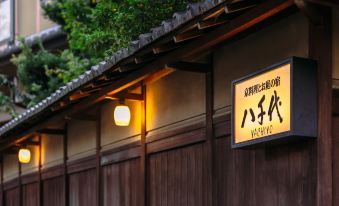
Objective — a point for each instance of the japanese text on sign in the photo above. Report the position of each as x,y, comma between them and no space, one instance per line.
262,105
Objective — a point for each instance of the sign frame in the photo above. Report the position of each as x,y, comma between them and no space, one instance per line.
303,118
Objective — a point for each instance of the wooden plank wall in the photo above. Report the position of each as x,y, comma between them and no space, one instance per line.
263,177
176,177
121,183
335,160
30,193
12,197
177,174
82,187
53,191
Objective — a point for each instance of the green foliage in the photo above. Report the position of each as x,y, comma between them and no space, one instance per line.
94,32
6,105
97,31
43,72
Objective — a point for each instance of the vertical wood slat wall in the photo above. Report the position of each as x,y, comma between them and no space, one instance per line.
203,171
177,175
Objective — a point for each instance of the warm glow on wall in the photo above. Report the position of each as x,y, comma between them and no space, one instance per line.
122,115
24,155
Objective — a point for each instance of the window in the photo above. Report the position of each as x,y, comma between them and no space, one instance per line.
6,21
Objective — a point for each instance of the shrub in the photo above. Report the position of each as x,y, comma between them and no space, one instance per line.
93,33
42,72
97,31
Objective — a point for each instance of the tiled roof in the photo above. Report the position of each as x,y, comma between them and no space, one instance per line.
179,18
45,35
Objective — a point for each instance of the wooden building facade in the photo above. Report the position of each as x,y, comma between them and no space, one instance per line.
177,149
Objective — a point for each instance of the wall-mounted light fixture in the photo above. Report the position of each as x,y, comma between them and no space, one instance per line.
24,155
122,114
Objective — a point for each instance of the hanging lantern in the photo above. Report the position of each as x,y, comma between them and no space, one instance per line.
122,115
24,155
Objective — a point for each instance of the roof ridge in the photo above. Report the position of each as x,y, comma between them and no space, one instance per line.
178,18
32,39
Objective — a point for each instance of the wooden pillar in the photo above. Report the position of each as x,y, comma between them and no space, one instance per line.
2,182
98,159
65,176
320,49
210,143
143,151
41,201
20,184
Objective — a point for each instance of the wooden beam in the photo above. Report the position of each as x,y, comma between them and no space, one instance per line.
212,22
195,47
143,152
82,117
165,47
329,3
335,106
40,182
31,143
158,75
210,140
65,175
145,58
126,95
3,203
240,6
99,189
78,95
187,35
311,11
215,14
238,25
51,131
320,49
128,67
20,183
189,66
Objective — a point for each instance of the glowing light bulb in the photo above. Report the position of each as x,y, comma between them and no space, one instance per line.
24,155
122,115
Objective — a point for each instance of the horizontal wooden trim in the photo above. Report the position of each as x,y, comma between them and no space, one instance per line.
175,132
222,126
124,155
222,118
120,148
81,164
52,172
177,141
29,178
11,184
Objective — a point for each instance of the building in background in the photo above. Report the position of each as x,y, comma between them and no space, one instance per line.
23,19
176,150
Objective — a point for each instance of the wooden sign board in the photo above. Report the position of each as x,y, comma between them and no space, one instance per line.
275,104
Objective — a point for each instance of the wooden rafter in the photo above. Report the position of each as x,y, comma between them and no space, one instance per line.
190,66
51,131
330,3
187,35
145,58
192,48
125,95
212,22
83,117
158,75
240,6
311,11
165,47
